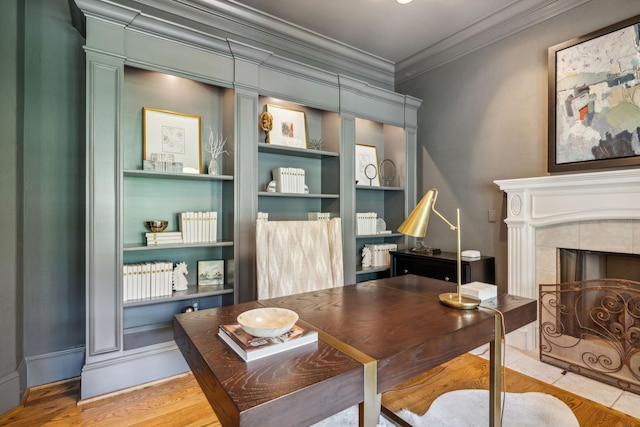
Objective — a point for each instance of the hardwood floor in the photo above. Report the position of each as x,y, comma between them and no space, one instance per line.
180,402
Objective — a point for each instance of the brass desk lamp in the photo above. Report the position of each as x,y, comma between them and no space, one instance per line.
416,225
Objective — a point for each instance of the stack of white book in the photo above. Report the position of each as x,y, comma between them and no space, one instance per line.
199,227
366,223
164,238
380,253
289,180
319,216
147,280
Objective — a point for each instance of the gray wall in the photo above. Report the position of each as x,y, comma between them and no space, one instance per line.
42,210
484,117
10,76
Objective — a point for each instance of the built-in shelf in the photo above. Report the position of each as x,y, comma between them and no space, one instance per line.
169,175
381,188
298,152
301,195
191,292
130,247
378,236
365,270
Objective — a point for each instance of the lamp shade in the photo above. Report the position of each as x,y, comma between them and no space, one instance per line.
416,223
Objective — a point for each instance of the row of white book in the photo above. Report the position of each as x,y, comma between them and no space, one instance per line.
199,227
147,280
380,253
289,180
366,223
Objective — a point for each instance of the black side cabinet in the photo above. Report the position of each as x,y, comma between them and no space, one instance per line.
443,266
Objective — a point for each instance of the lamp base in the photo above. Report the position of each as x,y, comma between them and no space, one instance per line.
461,302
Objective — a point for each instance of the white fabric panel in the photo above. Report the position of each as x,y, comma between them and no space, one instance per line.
298,256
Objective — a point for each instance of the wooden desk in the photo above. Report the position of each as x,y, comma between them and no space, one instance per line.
397,322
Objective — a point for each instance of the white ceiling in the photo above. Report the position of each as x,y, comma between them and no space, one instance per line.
383,27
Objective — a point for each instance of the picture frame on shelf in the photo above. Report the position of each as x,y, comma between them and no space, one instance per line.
367,165
211,272
593,119
172,135
288,127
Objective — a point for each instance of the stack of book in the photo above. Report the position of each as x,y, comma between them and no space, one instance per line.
251,348
380,253
147,280
319,216
289,180
366,223
199,227
164,238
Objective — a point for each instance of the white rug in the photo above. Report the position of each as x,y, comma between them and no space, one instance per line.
463,408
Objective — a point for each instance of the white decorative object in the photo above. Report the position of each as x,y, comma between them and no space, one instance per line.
215,147
180,277
268,321
366,257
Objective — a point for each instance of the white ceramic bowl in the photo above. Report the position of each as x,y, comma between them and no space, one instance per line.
267,322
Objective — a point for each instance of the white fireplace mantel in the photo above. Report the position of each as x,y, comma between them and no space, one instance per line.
547,200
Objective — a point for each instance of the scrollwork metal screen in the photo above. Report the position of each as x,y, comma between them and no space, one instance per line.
592,328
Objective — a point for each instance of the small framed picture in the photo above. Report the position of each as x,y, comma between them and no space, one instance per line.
211,272
367,165
288,127
172,137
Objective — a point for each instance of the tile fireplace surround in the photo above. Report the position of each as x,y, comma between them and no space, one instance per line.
595,211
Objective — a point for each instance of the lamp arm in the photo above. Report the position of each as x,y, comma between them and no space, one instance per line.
451,226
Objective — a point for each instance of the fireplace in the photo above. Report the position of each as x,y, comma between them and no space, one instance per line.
598,211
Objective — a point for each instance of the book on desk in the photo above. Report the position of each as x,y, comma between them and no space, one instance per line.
251,348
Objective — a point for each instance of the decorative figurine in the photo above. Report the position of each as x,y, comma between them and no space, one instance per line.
366,257
215,148
266,124
180,277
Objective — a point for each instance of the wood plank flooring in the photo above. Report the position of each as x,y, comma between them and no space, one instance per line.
180,402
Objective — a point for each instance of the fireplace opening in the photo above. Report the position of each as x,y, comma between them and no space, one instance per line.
577,264
590,320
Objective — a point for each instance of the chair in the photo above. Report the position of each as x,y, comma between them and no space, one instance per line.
298,256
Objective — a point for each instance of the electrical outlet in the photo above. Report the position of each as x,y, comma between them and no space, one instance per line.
492,215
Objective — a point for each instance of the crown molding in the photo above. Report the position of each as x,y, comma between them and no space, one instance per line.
505,22
230,20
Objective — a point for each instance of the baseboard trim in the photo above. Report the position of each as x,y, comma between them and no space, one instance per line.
130,371
9,392
52,367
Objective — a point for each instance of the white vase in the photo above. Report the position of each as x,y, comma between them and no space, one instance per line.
213,167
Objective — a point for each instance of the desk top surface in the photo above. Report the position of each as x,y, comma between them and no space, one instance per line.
398,321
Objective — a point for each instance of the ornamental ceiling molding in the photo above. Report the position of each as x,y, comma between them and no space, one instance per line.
504,23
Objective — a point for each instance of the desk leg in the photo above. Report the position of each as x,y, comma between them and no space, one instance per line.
369,410
495,376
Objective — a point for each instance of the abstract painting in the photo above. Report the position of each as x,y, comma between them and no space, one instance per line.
594,100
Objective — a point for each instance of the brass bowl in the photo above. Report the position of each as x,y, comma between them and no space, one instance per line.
156,226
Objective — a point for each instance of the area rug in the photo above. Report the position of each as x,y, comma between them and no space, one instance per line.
462,408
